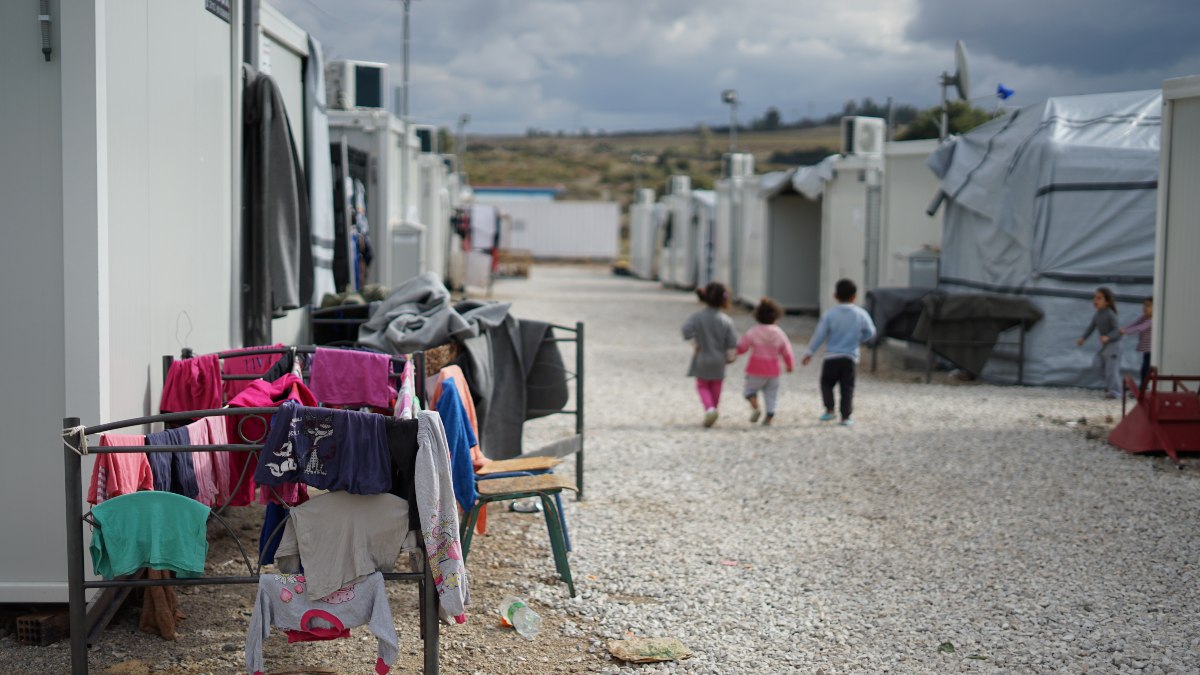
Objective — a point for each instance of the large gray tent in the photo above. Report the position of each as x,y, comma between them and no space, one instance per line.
1049,202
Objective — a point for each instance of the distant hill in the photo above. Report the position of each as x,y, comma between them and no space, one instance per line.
612,166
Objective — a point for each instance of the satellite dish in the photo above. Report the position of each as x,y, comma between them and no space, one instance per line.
959,80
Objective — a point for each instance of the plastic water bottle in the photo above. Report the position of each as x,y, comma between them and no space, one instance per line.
514,612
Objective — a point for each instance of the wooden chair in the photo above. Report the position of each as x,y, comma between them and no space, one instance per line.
547,487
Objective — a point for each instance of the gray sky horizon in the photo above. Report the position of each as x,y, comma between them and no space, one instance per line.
620,65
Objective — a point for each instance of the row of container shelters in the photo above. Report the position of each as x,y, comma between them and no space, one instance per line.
140,184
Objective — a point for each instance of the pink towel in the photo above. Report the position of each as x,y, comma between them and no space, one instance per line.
119,474
348,377
192,384
208,431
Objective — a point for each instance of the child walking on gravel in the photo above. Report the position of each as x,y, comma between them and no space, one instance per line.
768,345
845,327
713,339
1108,359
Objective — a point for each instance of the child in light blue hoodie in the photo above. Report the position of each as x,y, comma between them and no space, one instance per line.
845,327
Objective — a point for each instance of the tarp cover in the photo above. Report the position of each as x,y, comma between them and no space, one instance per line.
965,326
1049,202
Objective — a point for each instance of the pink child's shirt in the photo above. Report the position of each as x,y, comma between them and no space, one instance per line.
767,344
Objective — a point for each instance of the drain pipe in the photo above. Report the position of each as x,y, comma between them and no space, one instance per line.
44,20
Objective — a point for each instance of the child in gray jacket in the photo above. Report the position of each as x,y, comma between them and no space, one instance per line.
1108,359
714,341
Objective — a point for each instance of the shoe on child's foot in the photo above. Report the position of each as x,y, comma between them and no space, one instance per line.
767,419
710,417
847,422
826,417
755,415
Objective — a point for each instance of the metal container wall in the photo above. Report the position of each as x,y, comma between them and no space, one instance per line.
1177,241
564,229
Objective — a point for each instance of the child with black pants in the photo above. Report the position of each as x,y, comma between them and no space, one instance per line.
844,327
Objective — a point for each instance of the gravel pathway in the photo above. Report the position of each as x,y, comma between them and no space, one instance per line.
955,528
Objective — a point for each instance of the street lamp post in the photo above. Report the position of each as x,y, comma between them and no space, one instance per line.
730,97
460,149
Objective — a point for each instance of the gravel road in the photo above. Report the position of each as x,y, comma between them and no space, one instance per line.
955,528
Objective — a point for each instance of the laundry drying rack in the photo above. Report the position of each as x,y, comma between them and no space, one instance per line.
75,447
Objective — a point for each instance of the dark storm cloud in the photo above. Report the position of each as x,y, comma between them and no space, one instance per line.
1093,37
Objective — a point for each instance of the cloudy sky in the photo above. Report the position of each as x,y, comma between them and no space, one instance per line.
639,64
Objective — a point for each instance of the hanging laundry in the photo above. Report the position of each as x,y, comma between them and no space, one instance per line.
192,384
284,601
340,536
351,377
208,431
116,474
173,471
277,266
160,607
160,530
460,438
439,516
213,431
274,517
406,398
251,364
455,374
251,429
326,449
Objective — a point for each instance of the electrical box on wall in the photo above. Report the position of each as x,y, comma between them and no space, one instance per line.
355,84
862,136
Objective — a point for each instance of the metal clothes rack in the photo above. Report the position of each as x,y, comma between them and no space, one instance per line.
74,441
574,444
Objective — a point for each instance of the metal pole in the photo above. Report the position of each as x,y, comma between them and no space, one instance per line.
945,129
404,93
579,408
732,128
75,594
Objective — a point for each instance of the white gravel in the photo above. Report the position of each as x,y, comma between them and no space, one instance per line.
955,528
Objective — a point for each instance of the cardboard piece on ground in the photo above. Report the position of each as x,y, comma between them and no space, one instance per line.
649,650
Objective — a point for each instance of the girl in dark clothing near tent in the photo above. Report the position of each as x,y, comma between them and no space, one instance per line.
1108,359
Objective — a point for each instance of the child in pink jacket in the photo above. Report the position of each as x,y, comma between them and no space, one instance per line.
768,345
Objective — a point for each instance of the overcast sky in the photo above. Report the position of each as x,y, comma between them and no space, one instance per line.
642,64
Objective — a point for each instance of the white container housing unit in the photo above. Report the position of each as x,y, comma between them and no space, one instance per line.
122,208
681,234
577,230
1176,268
398,236
908,188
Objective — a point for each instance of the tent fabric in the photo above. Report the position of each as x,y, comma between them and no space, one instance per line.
1048,203
808,181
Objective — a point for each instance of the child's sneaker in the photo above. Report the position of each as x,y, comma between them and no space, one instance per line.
826,417
767,419
847,423
755,415
710,417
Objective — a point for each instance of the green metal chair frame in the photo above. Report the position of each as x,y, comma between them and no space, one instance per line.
543,486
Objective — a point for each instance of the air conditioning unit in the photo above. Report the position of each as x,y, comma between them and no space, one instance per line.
680,185
738,164
355,84
427,135
862,136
